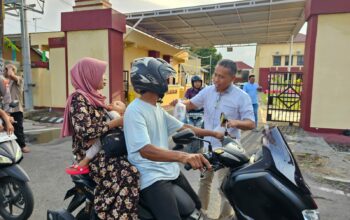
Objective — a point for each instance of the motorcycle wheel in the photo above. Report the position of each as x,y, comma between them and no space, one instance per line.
19,202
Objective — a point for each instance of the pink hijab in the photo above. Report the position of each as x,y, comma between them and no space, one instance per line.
86,74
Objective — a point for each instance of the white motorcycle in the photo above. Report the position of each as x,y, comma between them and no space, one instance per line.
16,197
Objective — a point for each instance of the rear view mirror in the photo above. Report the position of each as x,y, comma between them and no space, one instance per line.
184,137
223,118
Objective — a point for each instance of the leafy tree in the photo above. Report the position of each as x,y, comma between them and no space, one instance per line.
206,52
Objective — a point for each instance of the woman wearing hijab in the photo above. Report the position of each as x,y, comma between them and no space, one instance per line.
117,190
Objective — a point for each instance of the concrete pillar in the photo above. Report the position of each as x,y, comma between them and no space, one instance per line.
325,106
95,30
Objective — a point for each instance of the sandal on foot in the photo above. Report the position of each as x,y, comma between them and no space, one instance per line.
75,169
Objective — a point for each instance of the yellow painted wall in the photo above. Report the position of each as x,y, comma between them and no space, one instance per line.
330,107
58,77
88,44
146,42
42,39
132,52
265,52
137,45
174,92
42,90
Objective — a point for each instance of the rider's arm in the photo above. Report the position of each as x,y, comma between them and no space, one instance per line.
8,124
154,153
203,132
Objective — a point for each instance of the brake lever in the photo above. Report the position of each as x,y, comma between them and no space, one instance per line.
204,170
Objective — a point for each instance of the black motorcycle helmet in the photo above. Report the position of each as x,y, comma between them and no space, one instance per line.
196,78
150,74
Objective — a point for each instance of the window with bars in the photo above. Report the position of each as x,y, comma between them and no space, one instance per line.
300,60
277,60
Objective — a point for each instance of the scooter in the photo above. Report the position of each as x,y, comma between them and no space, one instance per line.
16,197
266,186
194,118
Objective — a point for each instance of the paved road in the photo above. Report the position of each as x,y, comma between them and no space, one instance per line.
45,165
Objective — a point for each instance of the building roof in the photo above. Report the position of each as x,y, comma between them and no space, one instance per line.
300,38
238,22
242,65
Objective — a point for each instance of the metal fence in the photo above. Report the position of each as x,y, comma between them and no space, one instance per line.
284,96
126,84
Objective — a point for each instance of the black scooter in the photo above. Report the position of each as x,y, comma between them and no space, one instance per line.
266,186
16,197
194,118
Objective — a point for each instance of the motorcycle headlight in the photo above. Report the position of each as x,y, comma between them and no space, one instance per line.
18,154
5,160
311,214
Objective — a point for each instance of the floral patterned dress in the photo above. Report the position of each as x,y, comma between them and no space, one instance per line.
117,190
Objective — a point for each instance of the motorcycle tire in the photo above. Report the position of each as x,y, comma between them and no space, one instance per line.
20,196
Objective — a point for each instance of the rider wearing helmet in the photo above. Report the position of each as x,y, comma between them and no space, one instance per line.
197,83
147,127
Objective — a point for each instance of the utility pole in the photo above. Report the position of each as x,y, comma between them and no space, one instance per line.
27,71
35,20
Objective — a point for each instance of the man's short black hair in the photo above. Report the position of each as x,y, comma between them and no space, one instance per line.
250,76
229,64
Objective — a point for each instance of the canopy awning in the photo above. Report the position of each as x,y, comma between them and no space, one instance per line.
240,22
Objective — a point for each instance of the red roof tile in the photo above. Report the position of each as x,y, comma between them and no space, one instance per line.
242,66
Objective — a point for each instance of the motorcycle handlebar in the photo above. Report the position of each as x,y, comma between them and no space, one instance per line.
211,158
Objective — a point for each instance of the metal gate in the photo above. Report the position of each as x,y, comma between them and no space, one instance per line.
126,85
284,96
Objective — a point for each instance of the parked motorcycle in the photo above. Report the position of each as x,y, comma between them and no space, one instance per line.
194,118
16,197
266,186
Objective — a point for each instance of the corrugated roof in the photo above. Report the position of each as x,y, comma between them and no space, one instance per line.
247,21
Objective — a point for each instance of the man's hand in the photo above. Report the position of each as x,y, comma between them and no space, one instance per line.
11,72
12,120
241,124
232,123
174,102
9,128
197,161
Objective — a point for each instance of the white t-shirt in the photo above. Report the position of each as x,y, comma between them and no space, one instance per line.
148,124
234,103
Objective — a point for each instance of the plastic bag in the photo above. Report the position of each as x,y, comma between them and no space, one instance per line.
180,111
